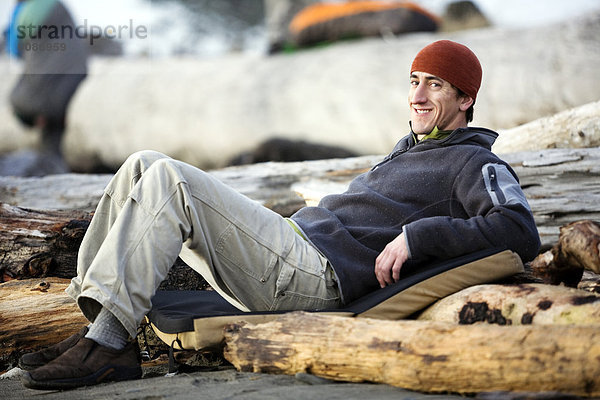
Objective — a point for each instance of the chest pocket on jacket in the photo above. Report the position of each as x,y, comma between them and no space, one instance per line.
502,187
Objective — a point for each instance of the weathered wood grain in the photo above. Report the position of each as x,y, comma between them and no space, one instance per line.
577,251
54,192
562,186
269,183
422,355
39,243
45,243
524,304
573,128
35,313
579,245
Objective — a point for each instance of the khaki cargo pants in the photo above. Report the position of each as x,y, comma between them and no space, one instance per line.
156,208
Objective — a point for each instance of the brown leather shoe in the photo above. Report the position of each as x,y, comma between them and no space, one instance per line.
85,364
35,360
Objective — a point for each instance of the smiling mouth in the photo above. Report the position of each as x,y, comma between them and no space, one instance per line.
419,111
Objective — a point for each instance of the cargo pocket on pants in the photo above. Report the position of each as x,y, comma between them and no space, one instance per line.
297,290
240,251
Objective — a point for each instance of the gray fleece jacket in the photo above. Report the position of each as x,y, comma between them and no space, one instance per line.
451,197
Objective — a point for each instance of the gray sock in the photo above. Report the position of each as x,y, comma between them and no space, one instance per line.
107,331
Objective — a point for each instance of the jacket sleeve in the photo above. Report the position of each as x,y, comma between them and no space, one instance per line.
489,193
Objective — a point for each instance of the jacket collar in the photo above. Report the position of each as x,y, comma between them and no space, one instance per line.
471,135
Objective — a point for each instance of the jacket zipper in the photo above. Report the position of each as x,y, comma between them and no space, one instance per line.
495,186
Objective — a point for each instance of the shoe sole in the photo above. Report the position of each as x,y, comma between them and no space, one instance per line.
105,374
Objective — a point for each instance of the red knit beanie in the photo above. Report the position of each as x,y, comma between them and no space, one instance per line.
452,62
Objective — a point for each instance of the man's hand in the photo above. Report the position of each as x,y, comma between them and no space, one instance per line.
390,260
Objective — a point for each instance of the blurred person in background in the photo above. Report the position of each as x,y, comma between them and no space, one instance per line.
44,36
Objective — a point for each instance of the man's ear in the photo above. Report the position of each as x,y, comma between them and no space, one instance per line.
465,102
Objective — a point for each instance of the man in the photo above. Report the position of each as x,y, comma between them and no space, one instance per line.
441,193
43,34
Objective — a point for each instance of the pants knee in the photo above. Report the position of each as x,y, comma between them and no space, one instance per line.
138,162
130,172
145,157
158,169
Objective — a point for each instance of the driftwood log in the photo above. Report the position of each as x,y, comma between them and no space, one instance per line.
561,185
35,313
578,249
39,243
579,245
422,355
45,243
524,304
573,128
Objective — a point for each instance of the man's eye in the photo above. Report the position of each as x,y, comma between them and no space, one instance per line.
414,83
435,84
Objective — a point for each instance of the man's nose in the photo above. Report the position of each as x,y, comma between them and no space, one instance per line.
419,94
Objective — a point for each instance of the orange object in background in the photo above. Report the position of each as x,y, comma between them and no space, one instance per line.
322,12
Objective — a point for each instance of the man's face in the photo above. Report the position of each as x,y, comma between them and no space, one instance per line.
434,102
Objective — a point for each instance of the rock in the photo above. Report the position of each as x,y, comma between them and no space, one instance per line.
105,46
280,149
462,15
13,373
